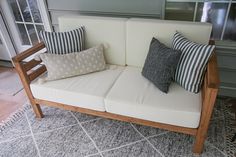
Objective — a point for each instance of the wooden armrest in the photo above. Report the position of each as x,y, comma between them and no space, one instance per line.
29,70
212,77
212,74
28,52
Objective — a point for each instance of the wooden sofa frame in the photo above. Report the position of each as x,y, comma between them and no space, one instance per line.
209,93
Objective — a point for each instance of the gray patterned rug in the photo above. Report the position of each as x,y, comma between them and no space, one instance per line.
68,134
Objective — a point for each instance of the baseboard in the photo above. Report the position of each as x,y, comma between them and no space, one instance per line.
6,63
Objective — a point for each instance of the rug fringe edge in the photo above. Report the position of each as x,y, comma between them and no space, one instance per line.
14,116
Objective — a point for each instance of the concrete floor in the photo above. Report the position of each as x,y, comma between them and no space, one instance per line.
10,101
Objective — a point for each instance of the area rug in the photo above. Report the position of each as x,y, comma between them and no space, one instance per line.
10,82
64,133
14,117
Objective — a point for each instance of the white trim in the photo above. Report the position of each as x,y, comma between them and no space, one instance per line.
30,23
225,20
6,40
195,12
163,10
45,15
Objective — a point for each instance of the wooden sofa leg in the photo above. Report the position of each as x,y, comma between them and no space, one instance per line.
199,144
37,110
207,109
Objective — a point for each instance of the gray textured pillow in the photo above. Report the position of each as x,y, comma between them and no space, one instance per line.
73,64
160,65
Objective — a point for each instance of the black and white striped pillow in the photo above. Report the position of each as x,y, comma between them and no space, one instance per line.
192,64
64,42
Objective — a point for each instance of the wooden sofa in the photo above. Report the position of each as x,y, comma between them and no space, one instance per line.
29,71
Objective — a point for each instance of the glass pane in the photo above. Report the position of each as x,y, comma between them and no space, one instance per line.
180,11
35,11
230,30
214,13
24,36
15,10
39,28
25,10
32,34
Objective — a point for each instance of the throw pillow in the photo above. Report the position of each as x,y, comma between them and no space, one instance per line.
193,60
73,64
160,65
63,42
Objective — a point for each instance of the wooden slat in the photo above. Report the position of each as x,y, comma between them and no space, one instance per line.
209,93
207,109
26,83
211,42
213,80
185,130
212,75
37,72
28,52
31,64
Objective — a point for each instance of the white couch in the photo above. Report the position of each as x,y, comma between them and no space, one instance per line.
121,89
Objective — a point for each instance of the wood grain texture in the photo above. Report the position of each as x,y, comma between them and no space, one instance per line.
27,78
26,84
209,94
28,52
31,64
212,73
34,74
207,109
185,130
213,80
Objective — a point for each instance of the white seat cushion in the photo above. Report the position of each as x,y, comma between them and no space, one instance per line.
134,96
86,91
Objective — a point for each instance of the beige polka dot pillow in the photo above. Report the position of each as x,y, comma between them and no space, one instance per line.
73,64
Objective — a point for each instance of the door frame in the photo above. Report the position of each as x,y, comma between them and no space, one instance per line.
45,15
6,39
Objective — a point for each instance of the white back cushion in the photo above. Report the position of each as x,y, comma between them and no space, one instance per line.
100,30
140,32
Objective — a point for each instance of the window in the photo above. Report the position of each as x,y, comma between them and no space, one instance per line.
230,29
221,13
28,20
180,11
214,13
